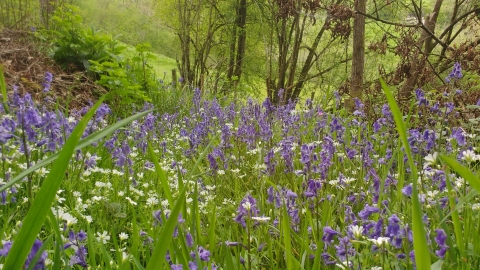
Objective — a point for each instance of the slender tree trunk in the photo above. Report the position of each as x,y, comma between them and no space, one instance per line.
185,39
294,58
242,36
358,60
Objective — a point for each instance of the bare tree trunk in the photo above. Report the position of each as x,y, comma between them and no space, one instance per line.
294,58
358,60
242,36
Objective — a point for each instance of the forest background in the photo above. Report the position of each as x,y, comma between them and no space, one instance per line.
307,48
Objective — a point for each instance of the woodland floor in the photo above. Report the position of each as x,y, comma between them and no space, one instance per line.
25,65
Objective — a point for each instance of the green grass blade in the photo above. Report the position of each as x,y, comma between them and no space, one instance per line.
58,244
463,171
91,246
422,253
3,91
137,263
212,225
163,241
195,220
469,197
227,254
83,143
287,241
135,236
106,257
161,175
457,224
35,218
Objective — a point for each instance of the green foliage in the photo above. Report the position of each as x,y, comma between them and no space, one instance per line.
115,77
3,90
75,45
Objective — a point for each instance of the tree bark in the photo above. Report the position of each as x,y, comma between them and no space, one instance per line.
242,36
358,60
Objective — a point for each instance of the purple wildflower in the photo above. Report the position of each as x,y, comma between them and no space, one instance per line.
459,135
47,82
328,234
407,190
440,237
367,211
247,209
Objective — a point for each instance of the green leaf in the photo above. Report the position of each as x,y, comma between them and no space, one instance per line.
3,90
286,238
457,224
91,246
58,244
163,241
161,175
35,218
437,265
463,171
82,144
422,253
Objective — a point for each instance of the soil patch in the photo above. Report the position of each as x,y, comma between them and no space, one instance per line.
25,65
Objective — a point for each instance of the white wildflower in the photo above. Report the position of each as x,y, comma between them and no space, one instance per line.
42,171
469,156
432,193
123,236
103,237
88,219
380,241
247,205
126,257
261,219
130,201
476,206
357,231
430,159
69,219
152,201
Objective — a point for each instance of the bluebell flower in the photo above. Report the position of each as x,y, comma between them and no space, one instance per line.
459,135
407,190
33,252
441,237
367,211
328,234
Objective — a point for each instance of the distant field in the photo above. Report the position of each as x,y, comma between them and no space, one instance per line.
162,64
